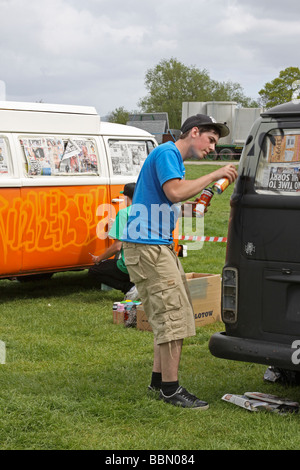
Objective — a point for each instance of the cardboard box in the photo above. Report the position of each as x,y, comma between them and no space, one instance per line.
141,319
118,317
205,290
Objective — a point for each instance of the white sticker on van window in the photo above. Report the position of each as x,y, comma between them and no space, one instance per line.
249,248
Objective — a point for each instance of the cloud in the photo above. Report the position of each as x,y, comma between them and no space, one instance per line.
97,52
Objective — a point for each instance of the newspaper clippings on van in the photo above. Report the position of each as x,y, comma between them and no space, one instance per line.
3,158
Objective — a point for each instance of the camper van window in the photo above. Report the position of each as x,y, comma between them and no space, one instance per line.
150,146
278,170
4,158
127,157
55,156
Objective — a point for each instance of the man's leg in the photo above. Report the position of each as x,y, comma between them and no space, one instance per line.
159,277
166,364
155,384
169,358
156,360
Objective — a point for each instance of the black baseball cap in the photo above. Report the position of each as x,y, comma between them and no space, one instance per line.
128,190
200,120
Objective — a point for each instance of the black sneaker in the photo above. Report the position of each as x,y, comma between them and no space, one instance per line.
184,399
153,389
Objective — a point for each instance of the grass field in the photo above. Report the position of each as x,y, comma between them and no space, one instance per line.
74,380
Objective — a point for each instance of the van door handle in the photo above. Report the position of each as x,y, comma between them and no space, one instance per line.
115,200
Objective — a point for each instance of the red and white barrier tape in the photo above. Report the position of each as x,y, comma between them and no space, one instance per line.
203,239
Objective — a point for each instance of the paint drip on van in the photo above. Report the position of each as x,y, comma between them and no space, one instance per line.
221,185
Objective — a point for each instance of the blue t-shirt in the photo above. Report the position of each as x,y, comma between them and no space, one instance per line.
153,216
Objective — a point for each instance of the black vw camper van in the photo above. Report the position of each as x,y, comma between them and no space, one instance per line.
261,276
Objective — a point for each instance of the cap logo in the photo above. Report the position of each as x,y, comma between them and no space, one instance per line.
213,119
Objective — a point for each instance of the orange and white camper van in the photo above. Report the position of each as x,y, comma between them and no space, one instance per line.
61,172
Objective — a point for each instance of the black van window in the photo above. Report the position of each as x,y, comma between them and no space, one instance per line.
278,170
127,156
4,158
55,156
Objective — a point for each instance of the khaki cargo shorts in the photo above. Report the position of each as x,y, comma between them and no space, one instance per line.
160,280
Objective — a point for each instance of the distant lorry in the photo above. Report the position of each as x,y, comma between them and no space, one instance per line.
239,121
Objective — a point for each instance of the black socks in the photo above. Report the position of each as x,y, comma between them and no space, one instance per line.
168,388
156,380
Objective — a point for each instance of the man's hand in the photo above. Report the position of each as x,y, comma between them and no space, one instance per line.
178,190
95,259
228,171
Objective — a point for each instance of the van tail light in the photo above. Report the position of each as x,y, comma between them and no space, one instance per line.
229,295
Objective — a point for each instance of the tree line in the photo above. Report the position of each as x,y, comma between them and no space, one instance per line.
171,82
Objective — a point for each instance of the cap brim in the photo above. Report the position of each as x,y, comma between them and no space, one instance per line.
222,128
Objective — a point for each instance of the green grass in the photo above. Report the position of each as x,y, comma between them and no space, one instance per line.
74,380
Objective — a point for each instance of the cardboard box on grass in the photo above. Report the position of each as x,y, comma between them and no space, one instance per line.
205,291
118,317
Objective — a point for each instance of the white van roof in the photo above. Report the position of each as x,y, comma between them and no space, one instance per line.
48,118
59,119
47,107
109,128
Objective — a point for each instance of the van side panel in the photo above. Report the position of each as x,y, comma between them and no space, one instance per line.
60,226
10,231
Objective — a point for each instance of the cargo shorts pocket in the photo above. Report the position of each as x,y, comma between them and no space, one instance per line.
134,268
165,300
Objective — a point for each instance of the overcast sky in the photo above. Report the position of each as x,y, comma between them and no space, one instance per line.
97,52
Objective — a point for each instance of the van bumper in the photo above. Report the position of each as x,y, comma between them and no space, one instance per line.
251,350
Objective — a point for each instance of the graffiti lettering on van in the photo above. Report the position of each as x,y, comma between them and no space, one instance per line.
50,219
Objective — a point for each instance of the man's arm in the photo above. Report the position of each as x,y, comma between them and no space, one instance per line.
178,190
111,251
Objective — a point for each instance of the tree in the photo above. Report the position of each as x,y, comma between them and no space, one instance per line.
119,115
282,89
170,83
231,91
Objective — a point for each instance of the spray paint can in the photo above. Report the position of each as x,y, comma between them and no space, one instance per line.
202,202
221,185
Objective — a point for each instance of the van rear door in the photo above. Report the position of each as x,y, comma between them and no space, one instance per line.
271,227
261,276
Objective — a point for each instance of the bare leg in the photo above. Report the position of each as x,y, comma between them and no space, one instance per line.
156,360
166,360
